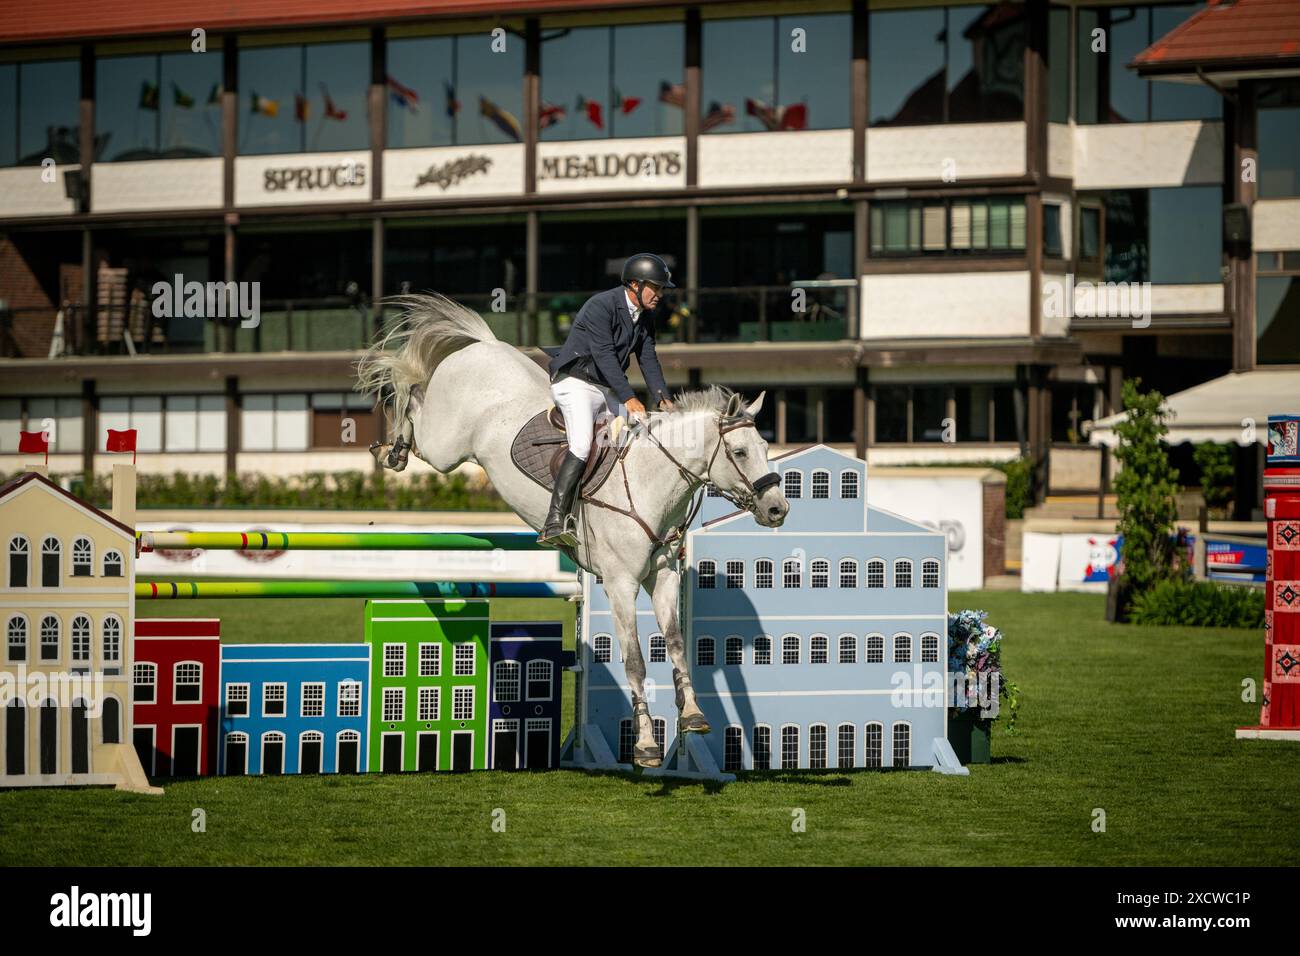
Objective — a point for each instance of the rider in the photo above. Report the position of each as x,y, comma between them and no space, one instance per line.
589,374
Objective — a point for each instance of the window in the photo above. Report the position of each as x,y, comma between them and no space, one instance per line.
1164,235
462,703
112,564
819,649
1277,319
902,648
505,681
274,698
817,747
929,573
793,484
602,648
762,649
626,740
875,574
658,649
349,698
790,649
763,573
275,423
110,721
144,679
847,749
39,112
51,636
427,703
394,660
929,648
430,660
80,640
789,748
947,65
706,575
902,573
1058,64
791,573
394,705
704,652
821,484
463,661
1278,132
731,747
304,98
659,727
343,420
64,413
619,81
986,225
875,649
454,90
755,81
16,639
872,738
313,700
51,572
849,484
848,573
762,748
902,756
848,649
1052,244
539,680
82,558
157,106
144,413
19,558
236,700
735,574
735,651
198,423
820,573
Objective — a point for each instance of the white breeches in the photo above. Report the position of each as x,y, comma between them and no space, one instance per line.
582,403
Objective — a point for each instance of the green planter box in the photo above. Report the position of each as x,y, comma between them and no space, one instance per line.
969,735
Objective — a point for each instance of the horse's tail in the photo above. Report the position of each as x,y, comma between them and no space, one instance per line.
430,328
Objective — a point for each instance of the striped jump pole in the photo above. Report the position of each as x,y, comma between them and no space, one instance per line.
190,590
338,540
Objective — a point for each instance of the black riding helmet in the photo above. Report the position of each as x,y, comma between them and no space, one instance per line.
647,267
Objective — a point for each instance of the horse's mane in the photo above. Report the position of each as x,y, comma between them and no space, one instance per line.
715,399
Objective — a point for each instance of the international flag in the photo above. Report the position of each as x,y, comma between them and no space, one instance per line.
265,105
550,114
718,115
332,110
674,94
502,119
625,103
453,104
592,109
121,441
148,96
301,108
214,95
794,116
403,96
34,442
181,98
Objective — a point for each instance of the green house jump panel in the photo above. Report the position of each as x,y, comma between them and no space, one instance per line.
429,684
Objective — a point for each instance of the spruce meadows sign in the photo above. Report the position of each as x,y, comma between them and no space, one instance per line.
633,164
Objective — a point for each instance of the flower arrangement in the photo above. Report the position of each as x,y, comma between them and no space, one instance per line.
975,667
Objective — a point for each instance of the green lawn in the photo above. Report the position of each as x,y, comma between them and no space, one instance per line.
1135,721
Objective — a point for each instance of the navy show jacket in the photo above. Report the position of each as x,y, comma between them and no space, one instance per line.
602,341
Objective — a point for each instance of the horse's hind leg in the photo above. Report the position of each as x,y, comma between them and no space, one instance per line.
622,599
664,593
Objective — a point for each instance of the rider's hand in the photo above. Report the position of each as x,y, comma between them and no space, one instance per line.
666,405
634,408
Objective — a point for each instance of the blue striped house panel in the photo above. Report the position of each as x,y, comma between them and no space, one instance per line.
527,659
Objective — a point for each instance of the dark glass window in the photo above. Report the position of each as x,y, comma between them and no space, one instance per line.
1052,230
1004,413
758,75
929,409
1058,64
40,108
891,413
1278,121
1277,320
1088,74
158,106
947,64
1072,405
1126,235
463,258
1186,234
973,412
838,414
600,82
800,416
8,114
947,227
1128,35
1089,233
308,98
1179,101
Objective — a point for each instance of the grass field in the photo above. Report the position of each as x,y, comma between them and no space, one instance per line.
1136,722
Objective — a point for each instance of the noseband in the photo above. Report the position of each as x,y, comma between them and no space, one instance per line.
743,499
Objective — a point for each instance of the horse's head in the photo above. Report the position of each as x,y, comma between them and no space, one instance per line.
738,467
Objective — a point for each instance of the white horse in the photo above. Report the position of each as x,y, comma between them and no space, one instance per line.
458,394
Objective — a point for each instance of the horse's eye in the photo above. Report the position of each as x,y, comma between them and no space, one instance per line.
740,454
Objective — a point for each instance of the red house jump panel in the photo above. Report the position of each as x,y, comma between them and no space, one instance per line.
176,695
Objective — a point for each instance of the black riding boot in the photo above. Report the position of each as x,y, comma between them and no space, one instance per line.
566,485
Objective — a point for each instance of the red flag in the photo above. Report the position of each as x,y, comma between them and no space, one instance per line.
795,116
331,110
592,109
34,441
301,108
120,441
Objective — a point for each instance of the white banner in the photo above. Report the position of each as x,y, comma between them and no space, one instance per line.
157,184
776,158
453,171
625,165
300,178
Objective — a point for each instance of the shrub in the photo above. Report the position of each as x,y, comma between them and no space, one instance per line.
1145,490
1019,474
1215,462
1199,604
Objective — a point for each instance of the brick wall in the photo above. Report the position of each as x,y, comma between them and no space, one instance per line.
28,334
995,529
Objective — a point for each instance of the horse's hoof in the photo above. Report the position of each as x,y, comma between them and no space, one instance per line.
695,724
648,756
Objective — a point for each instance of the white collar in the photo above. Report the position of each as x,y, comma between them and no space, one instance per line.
633,309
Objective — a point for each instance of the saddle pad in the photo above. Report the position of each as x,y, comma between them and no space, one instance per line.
539,446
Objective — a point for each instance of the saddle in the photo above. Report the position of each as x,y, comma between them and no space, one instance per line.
539,447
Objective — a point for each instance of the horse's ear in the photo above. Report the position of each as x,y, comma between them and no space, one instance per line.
755,405
415,401
733,405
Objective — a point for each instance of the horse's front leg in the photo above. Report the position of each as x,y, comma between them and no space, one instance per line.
664,593
622,599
